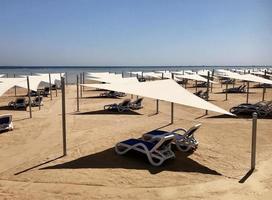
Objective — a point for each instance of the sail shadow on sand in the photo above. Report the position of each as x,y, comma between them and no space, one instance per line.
107,112
133,160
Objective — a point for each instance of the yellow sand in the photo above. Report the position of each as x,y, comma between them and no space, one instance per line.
31,166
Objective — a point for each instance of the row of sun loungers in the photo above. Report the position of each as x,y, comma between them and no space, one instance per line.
21,102
240,89
126,105
112,94
201,85
157,145
201,94
262,108
6,123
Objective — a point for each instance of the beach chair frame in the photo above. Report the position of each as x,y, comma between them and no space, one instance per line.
157,155
137,104
121,107
184,142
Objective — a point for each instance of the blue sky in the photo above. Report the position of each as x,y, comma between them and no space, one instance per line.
135,32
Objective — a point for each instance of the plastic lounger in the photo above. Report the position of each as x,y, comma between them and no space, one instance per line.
156,151
6,122
137,104
184,142
123,106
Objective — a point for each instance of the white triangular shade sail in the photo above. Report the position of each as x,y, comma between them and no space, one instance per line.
166,90
111,78
253,78
7,83
204,72
34,81
54,77
260,73
195,77
115,80
245,77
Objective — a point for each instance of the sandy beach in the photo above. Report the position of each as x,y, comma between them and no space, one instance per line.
32,165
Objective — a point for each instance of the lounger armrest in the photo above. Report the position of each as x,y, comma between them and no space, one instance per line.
179,129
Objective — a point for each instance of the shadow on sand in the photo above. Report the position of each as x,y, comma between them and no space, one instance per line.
133,160
234,92
107,112
238,117
100,97
11,108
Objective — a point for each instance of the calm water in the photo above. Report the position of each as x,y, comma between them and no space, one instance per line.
73,71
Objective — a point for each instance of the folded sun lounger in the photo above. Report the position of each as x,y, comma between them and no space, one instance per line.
157,151
185,142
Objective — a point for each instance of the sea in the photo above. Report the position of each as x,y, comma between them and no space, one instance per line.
73,71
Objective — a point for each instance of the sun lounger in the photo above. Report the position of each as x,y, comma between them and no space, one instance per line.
262,108
228,81
201,94
112,94
37,101
6,122
141,79
45,91
201,85
240,89
18,103
33,93
137,104
157,151
262,85
184,142
123,106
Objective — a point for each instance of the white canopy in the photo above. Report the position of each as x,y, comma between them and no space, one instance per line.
194,77
204,72
107,77
245,77
260,73
34,81
54,77
253,78
7,83
166,90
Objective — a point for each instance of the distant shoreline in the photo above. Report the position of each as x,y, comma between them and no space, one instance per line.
120,67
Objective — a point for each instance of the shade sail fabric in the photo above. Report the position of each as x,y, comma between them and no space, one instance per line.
245,77
204,72
195,77
7,83
260,73
253,78
54,77
34,81
114,79
103,74
166,90
153,75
